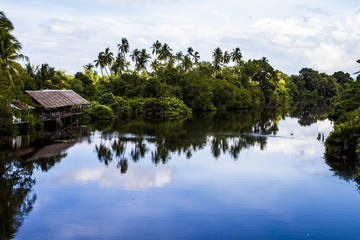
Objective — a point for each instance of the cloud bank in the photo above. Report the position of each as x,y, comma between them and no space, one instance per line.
323,35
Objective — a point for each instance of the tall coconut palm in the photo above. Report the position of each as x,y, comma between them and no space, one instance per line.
108,59
196,57
165,52
187,63
88,67
226,57
30,69
156,48
236,56
119,64
218,58
155,65
179,56
190,51
9,53
124,47
100,62
143,59
45,72
171,61
135,55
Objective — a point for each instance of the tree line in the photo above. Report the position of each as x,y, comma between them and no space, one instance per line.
161,83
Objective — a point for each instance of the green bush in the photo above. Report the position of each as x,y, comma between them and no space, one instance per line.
100,112
121,108
242,99
107,99
164,108
344,140
198,94
136,105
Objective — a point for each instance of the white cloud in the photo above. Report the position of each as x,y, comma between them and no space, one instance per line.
323,45
327,57
65,27
221,14
291,35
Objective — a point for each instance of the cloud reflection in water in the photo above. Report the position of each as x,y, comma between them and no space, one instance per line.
136,178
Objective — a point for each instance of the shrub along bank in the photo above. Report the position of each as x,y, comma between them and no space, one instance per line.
110,106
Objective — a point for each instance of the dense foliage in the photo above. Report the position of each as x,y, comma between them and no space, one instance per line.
344,141
175,85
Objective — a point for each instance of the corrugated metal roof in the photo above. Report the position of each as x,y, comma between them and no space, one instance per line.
57,98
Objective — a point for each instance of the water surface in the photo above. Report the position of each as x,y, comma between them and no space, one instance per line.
247,175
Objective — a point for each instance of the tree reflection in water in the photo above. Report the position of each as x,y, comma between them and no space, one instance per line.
16,189
309,111
119,147
16,195
225,133
16,180
104,153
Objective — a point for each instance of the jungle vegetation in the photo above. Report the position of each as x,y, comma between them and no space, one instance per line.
343,144
157,82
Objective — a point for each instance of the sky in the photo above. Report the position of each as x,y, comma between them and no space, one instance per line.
68,34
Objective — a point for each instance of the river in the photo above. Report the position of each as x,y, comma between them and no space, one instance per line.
258,174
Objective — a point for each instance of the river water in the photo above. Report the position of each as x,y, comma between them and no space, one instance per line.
257,174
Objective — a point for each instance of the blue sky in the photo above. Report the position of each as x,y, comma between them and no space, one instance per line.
67,34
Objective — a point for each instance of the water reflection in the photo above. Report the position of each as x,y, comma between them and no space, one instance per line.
225,133
16,195
17,167
16,189
137,178
122,146
308,111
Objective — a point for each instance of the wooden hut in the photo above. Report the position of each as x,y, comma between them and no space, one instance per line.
57,104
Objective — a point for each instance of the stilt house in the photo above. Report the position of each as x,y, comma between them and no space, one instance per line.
57,104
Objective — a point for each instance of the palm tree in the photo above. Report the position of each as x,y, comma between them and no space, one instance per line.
45,72
88,67
9,48
226,57
99,62
358,61
135,55
218,58
165,52
5,23
30,69
119,64
156,48
190,51
155,65
143,59
196,57
108,59
124,47
236,56
179,56
187,63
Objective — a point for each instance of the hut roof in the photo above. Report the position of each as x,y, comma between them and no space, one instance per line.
57,98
